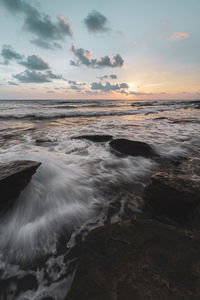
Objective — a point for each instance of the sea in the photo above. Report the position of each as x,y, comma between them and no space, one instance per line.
78,179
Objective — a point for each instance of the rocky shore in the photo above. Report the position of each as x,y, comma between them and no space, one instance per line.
154,254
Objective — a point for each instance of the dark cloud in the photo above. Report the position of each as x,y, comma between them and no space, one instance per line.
112,76
40,24
96,22
108,86
8,54
35,62
36,77
124,86
84,57
51,75
103,77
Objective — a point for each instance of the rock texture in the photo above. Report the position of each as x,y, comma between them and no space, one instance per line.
144,260
171,194
11,288
133,148
14,176
95,138
43,140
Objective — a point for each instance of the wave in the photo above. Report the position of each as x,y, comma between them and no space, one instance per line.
76,114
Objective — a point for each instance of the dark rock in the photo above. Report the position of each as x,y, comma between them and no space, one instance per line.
174,195
12,287
144,260
95,138
133,148
43,140
14,176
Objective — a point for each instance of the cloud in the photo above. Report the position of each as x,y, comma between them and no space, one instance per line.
84,57
45,44
40,24
96,22
77,86
35,62
36,77
103,77
112,76
76,83
176,36
108,87
12,83
135,93
51,75
8,53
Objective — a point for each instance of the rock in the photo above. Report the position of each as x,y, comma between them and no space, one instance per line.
161,118
174,195
12,287
43,140
133,148
144,260
14,176
95,138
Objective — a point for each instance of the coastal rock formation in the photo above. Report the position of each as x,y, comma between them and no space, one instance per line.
12,287
171,194
144,260
14,176
95,138
133,148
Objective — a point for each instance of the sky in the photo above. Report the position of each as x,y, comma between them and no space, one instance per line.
91,49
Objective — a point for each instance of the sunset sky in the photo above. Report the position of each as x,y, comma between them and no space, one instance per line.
108,49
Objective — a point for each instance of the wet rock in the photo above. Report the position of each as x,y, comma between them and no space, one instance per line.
42,140
14,176
133,148
12,287
172,194
144,260
95,138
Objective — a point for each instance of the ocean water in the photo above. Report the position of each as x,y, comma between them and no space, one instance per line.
77,181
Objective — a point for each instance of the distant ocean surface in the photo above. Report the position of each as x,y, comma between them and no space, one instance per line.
77,179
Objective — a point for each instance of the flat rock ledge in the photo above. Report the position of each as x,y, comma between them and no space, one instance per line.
138,261
133,148
14,176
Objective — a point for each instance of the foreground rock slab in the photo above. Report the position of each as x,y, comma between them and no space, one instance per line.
144,260
95,138
133,148
14,176
171,194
